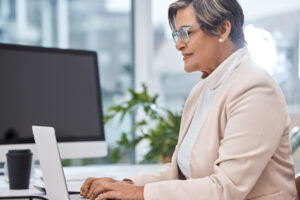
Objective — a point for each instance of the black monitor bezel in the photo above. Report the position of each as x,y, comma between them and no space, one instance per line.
101,137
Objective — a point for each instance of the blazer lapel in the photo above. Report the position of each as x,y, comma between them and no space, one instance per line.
219,76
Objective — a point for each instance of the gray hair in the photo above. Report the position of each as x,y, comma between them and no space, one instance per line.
210,14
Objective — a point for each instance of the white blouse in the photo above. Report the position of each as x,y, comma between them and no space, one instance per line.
204,103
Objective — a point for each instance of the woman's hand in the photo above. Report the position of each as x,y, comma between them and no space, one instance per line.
111,189
123,191
90,184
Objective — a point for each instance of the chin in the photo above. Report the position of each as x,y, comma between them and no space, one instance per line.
189,69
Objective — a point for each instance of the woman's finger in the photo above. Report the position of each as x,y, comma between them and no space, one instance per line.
86,185
108,195
98,191
98,186
93,186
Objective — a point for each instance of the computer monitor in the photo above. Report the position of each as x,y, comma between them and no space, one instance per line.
51,87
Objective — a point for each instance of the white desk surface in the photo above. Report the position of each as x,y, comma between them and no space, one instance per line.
76,175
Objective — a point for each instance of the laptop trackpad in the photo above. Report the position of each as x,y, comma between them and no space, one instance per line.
76,197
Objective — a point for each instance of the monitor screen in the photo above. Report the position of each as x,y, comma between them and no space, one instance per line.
49,87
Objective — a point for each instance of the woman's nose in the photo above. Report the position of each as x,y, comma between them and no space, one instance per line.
179,44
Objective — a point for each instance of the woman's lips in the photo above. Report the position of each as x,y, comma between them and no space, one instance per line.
186,56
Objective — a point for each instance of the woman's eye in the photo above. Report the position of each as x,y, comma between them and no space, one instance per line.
189,32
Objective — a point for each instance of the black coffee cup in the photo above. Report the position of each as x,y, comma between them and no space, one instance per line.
19,167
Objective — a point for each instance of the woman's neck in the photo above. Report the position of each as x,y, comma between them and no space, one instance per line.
227,48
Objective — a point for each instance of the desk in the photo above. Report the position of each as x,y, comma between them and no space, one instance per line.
79,174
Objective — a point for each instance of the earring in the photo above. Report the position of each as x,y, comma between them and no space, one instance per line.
220,40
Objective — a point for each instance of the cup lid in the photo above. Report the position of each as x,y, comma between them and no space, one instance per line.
18,151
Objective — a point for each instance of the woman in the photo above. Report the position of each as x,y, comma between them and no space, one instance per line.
234,138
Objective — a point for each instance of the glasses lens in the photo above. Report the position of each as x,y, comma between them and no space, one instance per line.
175,36
184,34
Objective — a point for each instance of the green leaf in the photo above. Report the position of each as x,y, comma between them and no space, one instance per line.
115,155
160,126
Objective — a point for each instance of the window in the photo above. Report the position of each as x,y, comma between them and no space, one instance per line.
104,26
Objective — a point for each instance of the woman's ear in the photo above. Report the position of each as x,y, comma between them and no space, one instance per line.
224,30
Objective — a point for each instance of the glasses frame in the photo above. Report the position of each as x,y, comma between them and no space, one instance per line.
183,33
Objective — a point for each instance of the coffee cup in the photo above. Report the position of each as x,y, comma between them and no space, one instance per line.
19,168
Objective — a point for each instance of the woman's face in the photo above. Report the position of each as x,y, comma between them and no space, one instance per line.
202,50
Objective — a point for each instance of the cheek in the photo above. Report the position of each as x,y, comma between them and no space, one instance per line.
204,54
200,57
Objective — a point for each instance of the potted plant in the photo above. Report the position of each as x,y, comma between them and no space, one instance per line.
160,126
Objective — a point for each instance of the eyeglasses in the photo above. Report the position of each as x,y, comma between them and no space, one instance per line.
183,33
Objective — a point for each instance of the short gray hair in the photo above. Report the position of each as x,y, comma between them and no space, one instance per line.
210,14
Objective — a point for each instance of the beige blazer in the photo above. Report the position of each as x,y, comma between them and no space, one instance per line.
242,150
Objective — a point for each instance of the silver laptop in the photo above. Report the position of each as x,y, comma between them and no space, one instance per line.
50,162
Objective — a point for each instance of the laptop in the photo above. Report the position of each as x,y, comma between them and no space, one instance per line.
53,174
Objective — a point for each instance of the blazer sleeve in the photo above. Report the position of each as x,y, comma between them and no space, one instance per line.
169,172
256,122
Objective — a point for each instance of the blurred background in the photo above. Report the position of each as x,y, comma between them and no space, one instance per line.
134,46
